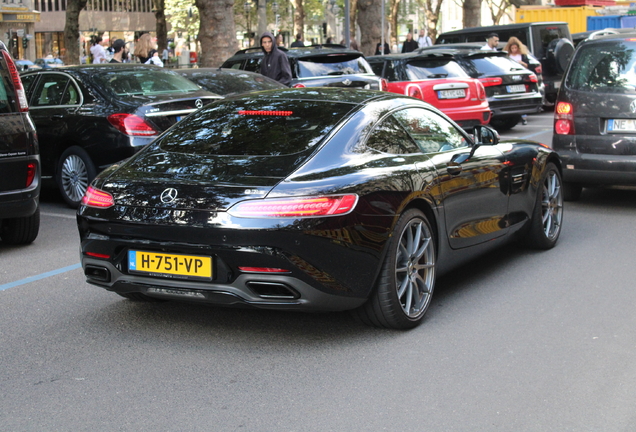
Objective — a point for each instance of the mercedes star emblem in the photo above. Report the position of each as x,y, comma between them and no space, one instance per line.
632,106
198,103
168,195
347,82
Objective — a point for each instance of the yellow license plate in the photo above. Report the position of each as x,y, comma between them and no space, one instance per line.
170,265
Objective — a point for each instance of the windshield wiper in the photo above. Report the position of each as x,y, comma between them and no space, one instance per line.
439,75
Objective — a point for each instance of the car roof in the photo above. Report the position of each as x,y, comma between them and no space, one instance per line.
460,51
92,68
617,37
325,94
215,70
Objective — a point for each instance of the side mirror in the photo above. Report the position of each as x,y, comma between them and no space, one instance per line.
485,136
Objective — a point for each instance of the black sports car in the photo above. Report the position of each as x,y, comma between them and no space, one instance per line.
91,116
314,199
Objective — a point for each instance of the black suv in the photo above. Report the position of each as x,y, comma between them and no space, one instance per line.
329,65
595,115
550,42
511,89
19,159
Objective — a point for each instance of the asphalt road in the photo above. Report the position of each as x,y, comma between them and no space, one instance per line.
516,341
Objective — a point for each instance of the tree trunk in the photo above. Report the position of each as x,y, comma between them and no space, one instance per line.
71,31
162,25
432,16
353,18
261,14
217,33
393,19
472,13
299,16
370,21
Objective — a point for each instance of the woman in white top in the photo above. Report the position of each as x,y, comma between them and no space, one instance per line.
517,51
98,51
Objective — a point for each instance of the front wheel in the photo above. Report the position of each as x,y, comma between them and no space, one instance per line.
407,278
75,171
547,217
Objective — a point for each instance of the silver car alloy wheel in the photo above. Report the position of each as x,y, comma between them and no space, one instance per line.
552,205
74,176
415,268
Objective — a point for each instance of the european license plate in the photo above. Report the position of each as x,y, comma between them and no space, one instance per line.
616,125
170,265
451,94
517,88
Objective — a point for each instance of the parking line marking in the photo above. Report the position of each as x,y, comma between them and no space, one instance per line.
59,215
40,276
532,135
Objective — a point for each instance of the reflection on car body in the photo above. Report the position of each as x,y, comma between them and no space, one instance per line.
314,199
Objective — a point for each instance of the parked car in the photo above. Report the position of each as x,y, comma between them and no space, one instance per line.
550,42
23,65
49,62
91,116
511,89
314,199
595,115
316,66
227,82
438,80
19,159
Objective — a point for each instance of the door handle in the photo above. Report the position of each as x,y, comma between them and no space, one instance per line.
57,117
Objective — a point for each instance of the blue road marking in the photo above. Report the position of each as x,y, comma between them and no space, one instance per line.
40,276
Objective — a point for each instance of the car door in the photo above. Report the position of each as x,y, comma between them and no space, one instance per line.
475,203
54,99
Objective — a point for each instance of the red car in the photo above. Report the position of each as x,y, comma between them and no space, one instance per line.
438,80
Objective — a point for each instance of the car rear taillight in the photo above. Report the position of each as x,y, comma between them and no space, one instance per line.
414,91
97,198
538,70
532,78
295,207
20,95
564,119
263,270
384,84
481,91
298,86
131,124
30,174
489,82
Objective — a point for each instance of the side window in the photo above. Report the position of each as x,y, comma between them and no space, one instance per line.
390,137
431,132
50,90
378,68
27,83
71,95
391,72
236,65
6,90
253,65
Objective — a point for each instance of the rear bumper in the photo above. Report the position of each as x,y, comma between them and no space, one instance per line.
524,104
595,169
263,291
477,115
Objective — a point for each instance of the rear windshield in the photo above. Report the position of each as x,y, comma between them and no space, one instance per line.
438,68
144,82
332,64
608,67
492,65
251,128
226,83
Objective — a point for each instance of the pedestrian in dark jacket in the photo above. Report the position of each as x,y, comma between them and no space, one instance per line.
274,64
409,44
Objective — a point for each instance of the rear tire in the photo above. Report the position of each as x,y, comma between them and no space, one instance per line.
547,217
505,123
407,278
21,230
75,171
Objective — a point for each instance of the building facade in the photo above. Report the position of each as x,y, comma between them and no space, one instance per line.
17,27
